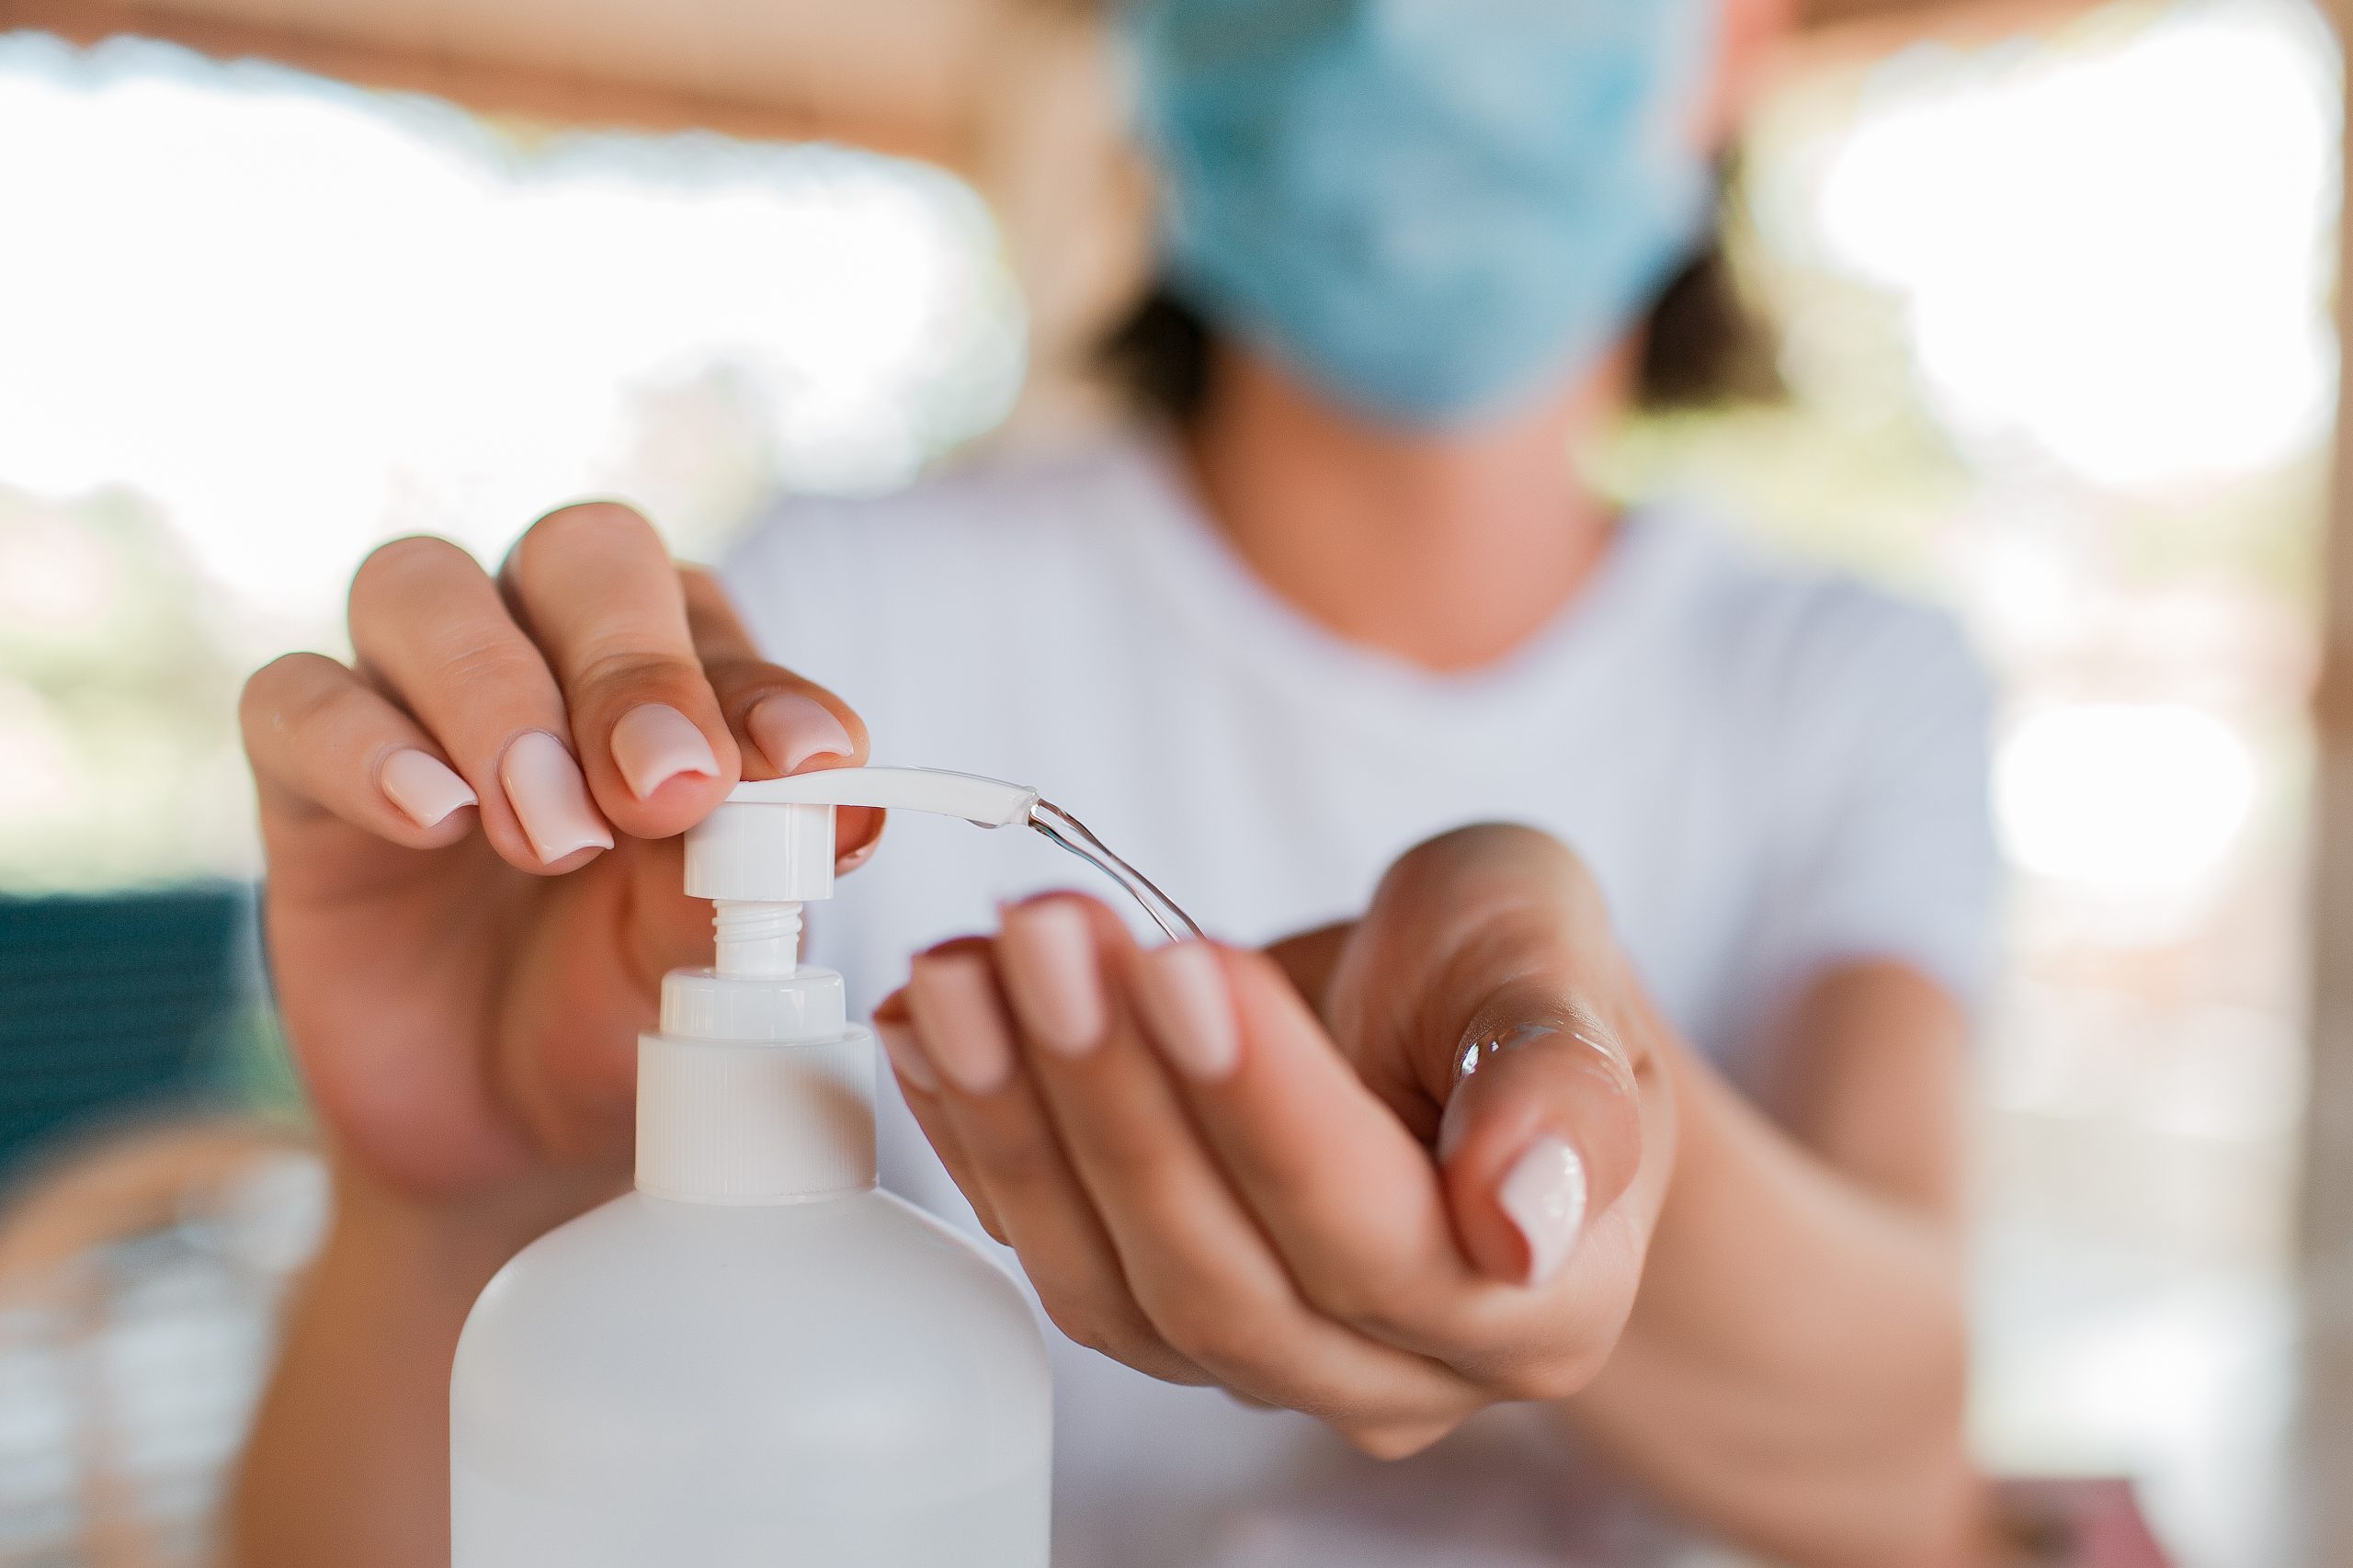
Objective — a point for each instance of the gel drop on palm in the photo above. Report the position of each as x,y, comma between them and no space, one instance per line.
756,1358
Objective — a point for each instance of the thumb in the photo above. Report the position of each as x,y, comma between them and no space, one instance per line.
1542,1131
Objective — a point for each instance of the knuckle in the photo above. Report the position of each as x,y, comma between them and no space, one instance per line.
613,675
294,692
283,692
485,672
1392,1439
1209,1334
743,680
1129,1165
403,561
1529,856
1545,1379
1078,1326
1376,1298
325,703
270,683
593,525
1023,1168
1098,1326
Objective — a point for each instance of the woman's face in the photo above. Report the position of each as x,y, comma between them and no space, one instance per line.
1435,212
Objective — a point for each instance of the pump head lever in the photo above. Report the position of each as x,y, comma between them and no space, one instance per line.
985,803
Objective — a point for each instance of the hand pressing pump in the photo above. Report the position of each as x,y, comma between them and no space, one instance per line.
757,1358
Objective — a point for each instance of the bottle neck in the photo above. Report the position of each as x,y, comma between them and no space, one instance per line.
755,1090
755,939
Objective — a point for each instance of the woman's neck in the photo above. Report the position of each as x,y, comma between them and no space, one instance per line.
1448,550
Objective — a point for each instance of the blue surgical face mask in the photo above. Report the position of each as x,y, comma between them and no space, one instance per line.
1431,210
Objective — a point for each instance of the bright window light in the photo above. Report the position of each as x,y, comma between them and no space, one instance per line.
256,323
2115,255
302,317
2123,799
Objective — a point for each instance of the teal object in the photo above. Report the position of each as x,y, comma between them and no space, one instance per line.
118,1004
1431,210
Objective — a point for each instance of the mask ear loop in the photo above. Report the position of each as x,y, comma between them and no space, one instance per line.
1066,832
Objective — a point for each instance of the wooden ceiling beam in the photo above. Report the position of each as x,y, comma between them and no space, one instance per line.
547,96
1853,30
904,81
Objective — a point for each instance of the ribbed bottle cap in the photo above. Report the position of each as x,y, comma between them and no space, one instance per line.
728,1121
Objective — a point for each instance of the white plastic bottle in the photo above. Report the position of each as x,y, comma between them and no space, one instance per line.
755,1357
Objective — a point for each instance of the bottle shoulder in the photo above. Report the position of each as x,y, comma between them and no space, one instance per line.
823,1337
865,1270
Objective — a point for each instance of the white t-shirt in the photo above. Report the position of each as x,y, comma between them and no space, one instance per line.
1769,770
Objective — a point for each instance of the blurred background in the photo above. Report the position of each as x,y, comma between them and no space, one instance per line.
2054,283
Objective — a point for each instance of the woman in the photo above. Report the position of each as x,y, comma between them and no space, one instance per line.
1517,1162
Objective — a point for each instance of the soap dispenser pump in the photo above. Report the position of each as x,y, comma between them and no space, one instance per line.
756,1358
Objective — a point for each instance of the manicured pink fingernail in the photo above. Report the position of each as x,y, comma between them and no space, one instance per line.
1186,999
422,786
793,731
1544,1195
1053,970
544,786
963,1020
905,1052
655,743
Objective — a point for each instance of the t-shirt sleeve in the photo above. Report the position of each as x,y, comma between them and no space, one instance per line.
1885,730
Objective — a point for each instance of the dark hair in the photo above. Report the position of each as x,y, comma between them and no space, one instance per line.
1705,347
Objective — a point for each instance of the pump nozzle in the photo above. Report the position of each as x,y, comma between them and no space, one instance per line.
773,841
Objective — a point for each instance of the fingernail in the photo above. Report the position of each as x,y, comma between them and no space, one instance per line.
905,1051
1052,970
1185,998
964,1021
1544,1195
422,786
793,731
653,743
543,784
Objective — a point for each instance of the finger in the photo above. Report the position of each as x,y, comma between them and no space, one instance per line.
430,628
919,1087
783,724
1541,1133
1201,1267
1350,1197
1017,1166
1361,1214
595,587
323,740
1483,993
